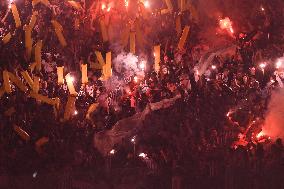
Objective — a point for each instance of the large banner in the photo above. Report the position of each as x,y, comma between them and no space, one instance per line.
105,140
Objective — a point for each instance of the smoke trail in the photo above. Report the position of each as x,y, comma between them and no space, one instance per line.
274,121
207,58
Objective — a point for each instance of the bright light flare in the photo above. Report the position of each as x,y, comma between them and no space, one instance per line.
103,6
75,112
146,4
213,67
133,140
126,2
262,65
135,79
34,174
229,113
262,9
70,79
143,155
278,64
9,3
112,152
108,9
197,72
226,24
259,135
142,65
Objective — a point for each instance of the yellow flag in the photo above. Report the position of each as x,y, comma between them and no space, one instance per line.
57,25
108,71
40,142
70,107
7,38
35,2
6,80
69,79
60,77
33,20
17,82
38,48
132,42
178,25
182,5
44,99
91,109
32,66
95,65
36,84
157,54
84,68
28,78
28,40
45,2
183,37
169,5
23,134
58,31
100,58
16,15
165,11
75,5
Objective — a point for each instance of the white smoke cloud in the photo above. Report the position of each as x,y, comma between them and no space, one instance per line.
128,65
125,67
274,121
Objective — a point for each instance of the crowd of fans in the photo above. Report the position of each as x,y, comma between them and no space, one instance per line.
193,144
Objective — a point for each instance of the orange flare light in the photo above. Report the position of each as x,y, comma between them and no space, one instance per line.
226,24
126,2
259,135
103,6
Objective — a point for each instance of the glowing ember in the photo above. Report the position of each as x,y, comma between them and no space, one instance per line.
143,155
262,9
133,139
226,24
262,65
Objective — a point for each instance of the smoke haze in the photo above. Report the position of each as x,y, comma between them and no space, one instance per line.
274,121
